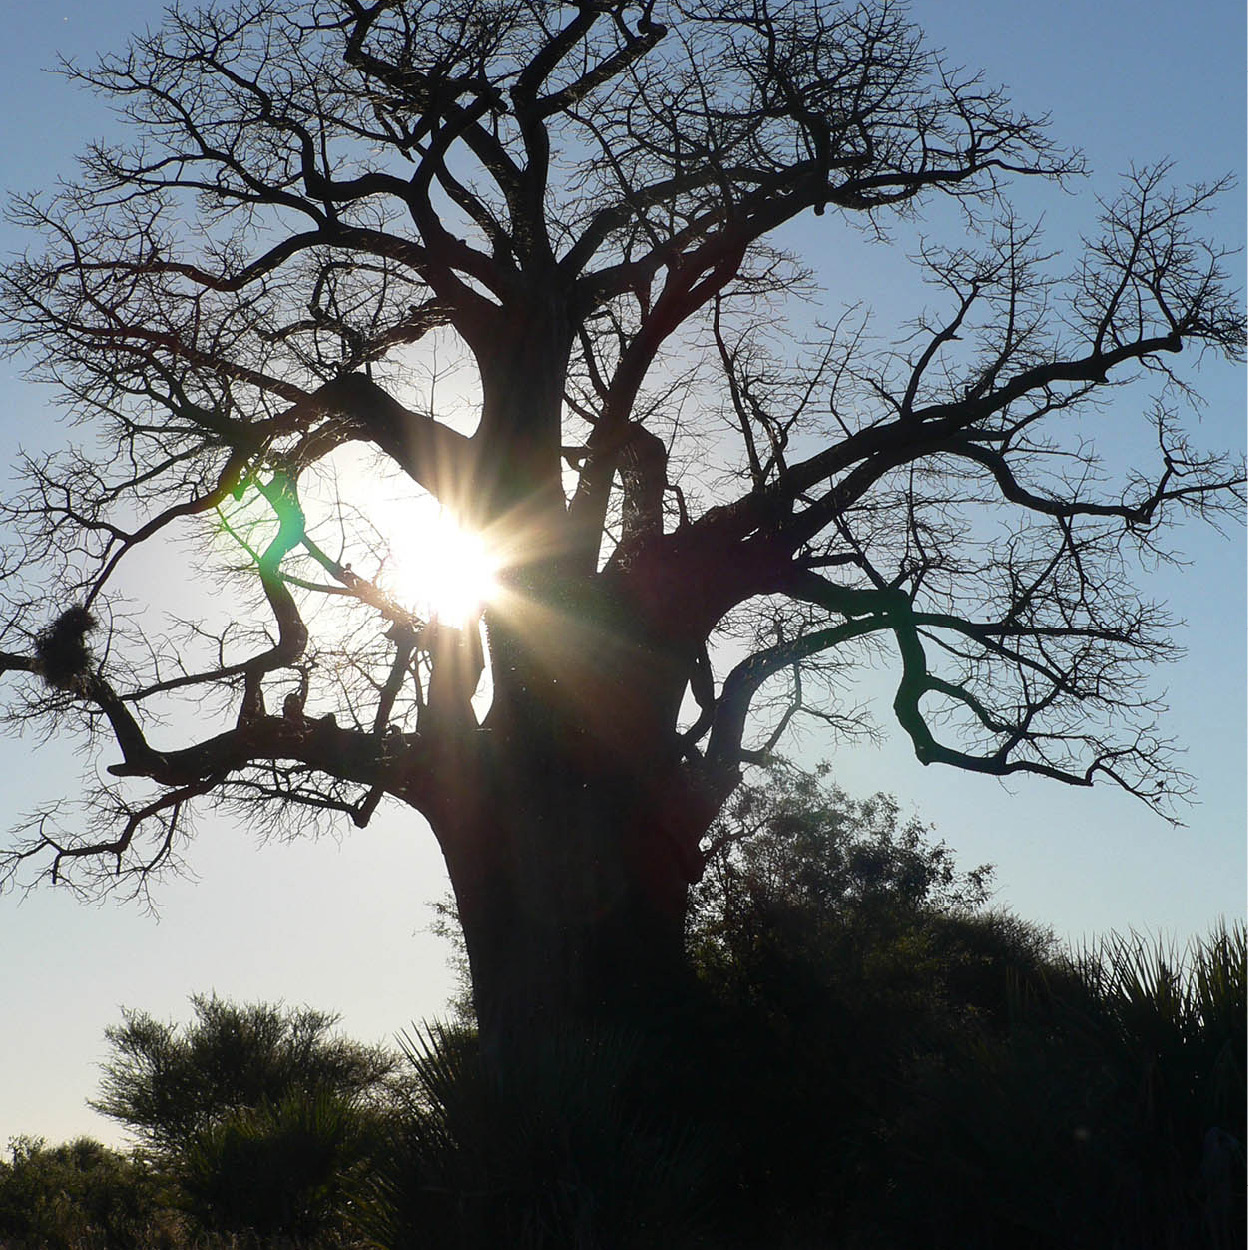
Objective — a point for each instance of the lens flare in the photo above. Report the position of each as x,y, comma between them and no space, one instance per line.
441,570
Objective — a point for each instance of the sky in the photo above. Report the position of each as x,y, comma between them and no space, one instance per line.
343,924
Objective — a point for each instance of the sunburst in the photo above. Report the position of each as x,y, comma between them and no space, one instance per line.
439,569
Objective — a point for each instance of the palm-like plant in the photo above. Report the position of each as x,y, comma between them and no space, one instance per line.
564,1151
291,1169
1170,1025
1110,1116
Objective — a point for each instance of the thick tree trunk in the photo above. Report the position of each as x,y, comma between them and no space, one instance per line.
572,890
569,849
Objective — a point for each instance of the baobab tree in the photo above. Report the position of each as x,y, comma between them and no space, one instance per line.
694,527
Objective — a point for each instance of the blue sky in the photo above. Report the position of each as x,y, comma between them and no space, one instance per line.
341,925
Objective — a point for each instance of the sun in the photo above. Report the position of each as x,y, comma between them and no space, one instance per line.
439,569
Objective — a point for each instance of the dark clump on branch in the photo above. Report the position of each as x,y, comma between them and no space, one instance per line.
64,657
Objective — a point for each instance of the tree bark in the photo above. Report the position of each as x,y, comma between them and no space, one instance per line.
572,887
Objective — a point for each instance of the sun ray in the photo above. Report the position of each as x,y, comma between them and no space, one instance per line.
438,568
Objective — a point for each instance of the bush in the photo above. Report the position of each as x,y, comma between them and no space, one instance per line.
911,1066
871,1057
1111,1114
79,1196
562,1153
261,1118
290,1170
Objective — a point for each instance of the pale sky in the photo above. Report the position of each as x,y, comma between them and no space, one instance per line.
341,925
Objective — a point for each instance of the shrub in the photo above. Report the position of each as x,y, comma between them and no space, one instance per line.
1111,1114
562,1153
79,1196
261,1118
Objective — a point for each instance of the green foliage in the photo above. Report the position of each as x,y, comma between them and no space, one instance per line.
906,1073
910,1066
262,1118
871,1057
796,840
291,1168
1110,1115
78,1196
167,1084
1177,1019
563,1151
809,893
837,943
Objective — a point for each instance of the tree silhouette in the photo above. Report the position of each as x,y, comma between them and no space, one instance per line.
582,202
167,1085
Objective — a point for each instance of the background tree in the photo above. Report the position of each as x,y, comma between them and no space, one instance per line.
583,200
263,1119
840,949
78,1195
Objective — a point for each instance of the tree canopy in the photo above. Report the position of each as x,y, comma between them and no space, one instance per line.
698,526
166,1084
263,1119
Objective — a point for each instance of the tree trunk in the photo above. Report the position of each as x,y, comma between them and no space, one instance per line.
572,893
567,844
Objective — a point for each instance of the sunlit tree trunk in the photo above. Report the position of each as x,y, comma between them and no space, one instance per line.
571,867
